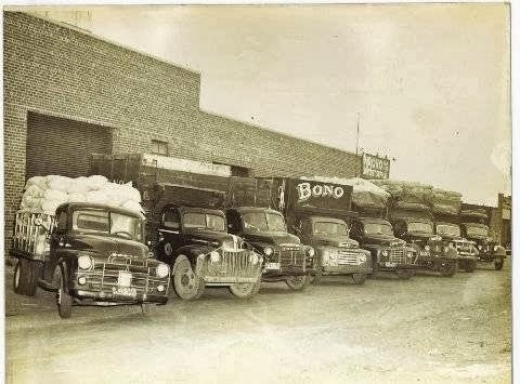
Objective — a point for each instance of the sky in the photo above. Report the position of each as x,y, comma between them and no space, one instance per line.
428,83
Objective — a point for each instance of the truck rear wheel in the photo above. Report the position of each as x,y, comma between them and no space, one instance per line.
298,283
18,280
448,269
33,276
359,278
63,299
405,273
245,290
499,264
187,284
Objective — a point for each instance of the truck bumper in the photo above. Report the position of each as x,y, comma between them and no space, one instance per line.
488,257
346,270
386,265
285,272
111,297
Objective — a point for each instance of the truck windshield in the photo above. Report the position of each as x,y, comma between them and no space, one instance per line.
474,230
264,221
420,227
378,229
107,223
330,229
448,230
204,221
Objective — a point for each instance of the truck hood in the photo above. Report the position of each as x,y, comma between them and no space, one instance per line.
383,240
275,238
206,236
105,245
334,241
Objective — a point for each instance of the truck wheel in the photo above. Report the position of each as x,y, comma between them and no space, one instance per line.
245,290
188,286
359,278
298,283
499,264
448,270
32,278
64,300
470,266
18,281
404,273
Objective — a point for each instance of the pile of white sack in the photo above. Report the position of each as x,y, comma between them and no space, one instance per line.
446,202
46,193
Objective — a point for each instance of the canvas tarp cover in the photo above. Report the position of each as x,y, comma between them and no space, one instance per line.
446,202
475,213
407,195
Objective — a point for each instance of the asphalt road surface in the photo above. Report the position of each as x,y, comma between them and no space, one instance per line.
428,329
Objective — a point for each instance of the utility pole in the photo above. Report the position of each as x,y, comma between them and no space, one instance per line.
357,136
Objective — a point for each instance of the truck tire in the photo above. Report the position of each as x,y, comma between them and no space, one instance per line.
470,266
499,264
405,273
245,290
18,281
448,269
32,278
298,283
63,299
186,283
359,278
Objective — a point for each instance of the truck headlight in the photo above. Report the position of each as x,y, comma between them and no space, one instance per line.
268,251
384,253
409,254
253,258
310,252
427,248
162,270
495,248
479,247
362,258
84,262
214,256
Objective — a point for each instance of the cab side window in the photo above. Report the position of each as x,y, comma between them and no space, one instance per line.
61,222
170,219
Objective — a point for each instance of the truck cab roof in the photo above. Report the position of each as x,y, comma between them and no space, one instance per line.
374,220
97,206
183,209
327,219
254,209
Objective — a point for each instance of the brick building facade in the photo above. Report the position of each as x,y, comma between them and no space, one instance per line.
110,99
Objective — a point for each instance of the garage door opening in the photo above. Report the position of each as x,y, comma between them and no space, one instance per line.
63,147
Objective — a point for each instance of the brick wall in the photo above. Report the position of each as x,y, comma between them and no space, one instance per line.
60,71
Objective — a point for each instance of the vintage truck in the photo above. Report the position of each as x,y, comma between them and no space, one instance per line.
410,213
475,227
318,213
187,225
89,254
246,201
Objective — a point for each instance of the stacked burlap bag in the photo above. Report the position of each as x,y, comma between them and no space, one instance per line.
46,193
446,202
407,195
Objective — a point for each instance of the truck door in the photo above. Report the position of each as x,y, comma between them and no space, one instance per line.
170,231
57,237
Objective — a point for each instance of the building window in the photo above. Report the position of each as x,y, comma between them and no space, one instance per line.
236,171
159,147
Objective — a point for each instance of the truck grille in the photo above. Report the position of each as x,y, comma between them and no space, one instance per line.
233,264
105,277
396,255
348,258
291,257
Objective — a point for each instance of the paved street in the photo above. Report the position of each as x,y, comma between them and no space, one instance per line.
428,329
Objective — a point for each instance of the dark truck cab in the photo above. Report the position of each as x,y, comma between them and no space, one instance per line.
95,254
285,258
475,228
317,212
388,252
195,243
418,232
467,253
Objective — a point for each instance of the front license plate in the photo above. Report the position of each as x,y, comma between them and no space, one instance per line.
124,279
390,264
125,291
272,266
